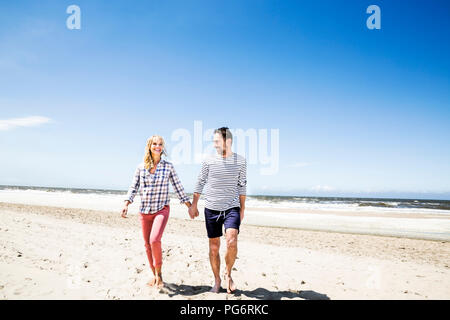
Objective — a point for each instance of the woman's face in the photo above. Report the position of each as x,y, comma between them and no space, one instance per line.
156,147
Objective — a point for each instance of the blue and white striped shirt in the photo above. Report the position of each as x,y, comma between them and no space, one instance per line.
154,189
223,180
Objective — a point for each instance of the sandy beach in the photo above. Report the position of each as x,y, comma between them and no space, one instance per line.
50,252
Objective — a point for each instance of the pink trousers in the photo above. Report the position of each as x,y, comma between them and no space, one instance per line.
152,228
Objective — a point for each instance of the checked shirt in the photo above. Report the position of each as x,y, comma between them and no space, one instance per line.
154,189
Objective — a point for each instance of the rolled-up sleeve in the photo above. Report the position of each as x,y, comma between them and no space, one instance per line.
242,179
134,186
202,178
178,187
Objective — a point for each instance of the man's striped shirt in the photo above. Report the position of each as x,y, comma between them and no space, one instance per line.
222,181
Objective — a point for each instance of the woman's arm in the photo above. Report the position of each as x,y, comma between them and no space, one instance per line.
132,191
176,183
178,187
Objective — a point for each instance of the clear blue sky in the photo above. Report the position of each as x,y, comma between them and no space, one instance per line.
359,111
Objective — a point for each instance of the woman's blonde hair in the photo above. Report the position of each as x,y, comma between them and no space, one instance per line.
148,160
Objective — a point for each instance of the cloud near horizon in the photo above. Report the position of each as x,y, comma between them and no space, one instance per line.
300,164
320,188
32,121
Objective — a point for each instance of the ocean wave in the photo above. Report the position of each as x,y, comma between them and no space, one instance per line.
293,202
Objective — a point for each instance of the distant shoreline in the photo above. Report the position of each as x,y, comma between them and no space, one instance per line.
286,197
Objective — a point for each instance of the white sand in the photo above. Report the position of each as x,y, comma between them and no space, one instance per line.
64,253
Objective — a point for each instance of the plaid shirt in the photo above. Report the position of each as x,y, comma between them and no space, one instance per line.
154,191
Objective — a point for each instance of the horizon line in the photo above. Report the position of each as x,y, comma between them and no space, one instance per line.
275,195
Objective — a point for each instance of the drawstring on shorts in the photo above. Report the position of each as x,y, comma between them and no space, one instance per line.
220,213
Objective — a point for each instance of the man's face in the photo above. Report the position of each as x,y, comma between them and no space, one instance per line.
219,143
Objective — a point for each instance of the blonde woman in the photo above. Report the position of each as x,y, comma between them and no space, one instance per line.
152,180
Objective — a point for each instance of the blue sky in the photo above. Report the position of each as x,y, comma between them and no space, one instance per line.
360,112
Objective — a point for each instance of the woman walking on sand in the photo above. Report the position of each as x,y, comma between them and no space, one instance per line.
152,180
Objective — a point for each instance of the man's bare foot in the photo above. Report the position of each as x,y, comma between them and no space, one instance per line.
231,287
216,287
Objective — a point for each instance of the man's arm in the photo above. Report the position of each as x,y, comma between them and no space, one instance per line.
202,178
242,187
196,197
193,210
242,203
198,189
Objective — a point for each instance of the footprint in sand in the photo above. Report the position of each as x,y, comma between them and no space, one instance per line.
133,280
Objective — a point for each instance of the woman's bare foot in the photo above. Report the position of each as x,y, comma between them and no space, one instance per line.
159,281
216,287
152,282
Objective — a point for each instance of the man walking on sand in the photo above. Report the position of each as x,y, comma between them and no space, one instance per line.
224,180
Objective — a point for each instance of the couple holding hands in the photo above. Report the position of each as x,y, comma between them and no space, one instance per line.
222,181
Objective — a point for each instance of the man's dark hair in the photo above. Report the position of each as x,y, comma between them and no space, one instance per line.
225,133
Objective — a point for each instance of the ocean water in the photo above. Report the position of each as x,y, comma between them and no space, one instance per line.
431,221
295,202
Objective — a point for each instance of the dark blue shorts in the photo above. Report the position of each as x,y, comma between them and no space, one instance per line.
214,220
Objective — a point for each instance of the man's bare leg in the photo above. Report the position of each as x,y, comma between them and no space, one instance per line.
230,256
214,259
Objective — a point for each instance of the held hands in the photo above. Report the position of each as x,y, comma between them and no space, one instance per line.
193,211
